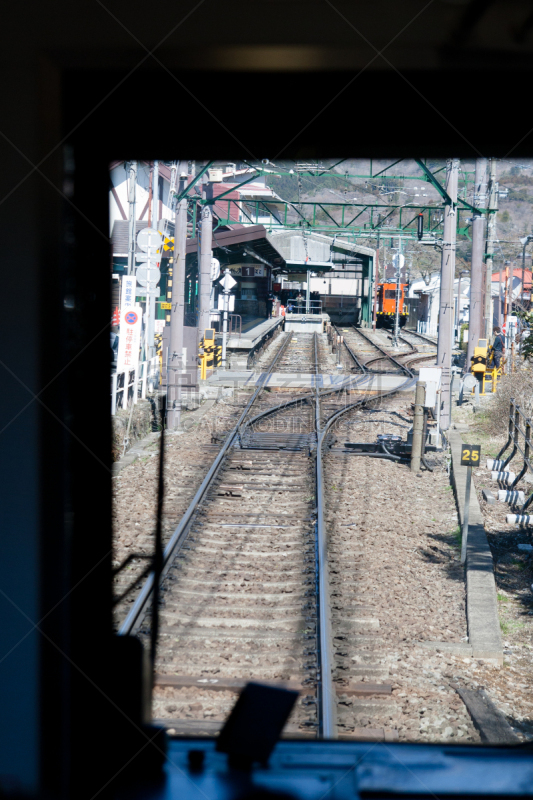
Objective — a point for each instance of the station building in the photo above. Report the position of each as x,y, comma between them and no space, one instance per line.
339,273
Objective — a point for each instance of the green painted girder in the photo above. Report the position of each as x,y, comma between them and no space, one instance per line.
202,172
442,191
319,171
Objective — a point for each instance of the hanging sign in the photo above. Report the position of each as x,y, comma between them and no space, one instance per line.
129,338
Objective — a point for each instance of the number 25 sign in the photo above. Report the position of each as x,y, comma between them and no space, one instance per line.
470,454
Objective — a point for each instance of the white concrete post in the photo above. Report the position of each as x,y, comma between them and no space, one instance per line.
446,310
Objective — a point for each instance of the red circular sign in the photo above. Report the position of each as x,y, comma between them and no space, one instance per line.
131,317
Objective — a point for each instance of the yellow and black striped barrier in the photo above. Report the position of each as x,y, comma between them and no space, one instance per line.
210,355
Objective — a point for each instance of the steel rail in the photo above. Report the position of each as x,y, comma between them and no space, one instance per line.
426,341
327,699
350,383
423,336
394,360
416,354
138,609
359,364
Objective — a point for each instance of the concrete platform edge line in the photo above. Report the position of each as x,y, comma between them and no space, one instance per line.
481,601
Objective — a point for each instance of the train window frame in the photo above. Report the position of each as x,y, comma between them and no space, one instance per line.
132,139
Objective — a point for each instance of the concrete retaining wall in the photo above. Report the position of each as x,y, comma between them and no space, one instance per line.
481,602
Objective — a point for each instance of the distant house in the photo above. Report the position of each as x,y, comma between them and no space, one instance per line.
498,277
230,213
424,313
118,194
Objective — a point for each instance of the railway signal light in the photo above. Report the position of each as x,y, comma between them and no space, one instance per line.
420,226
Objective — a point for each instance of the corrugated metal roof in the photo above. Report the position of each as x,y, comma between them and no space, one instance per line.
517,272
319,247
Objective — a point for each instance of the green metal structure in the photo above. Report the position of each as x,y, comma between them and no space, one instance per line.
344,219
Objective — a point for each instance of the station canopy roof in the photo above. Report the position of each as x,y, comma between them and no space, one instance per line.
316,252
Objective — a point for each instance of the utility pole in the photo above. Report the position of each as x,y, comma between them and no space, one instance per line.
446,309
399,264
489,252
417,443
150,187
155,196
206,254
176,360
376,277
132,185
150,300
476,327
228,282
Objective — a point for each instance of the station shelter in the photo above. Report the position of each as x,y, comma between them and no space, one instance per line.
252,259
337,275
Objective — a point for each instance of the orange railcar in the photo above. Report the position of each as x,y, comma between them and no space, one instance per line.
386,305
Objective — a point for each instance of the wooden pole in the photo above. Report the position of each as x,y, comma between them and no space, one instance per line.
418,426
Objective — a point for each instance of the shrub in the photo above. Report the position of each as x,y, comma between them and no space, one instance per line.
519,386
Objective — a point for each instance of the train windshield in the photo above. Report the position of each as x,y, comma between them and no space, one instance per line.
306,544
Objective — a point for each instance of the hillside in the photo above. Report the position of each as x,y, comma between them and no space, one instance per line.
404,183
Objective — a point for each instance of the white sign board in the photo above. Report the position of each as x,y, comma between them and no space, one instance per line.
129,338
215,269
148,276
231,304
149,240
227,282
127,298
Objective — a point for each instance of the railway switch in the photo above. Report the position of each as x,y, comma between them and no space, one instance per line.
480,357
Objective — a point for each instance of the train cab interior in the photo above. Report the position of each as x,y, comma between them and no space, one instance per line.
83,85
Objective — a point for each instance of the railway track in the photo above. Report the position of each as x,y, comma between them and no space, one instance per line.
299,356
247,579
365,351
424,348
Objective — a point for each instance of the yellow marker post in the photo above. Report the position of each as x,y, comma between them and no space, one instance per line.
470,457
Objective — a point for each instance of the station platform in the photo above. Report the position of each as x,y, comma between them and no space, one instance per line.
254,333
306,323
285,380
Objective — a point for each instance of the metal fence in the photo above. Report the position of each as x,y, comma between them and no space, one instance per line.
429,329
127,387
293,307
518,442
